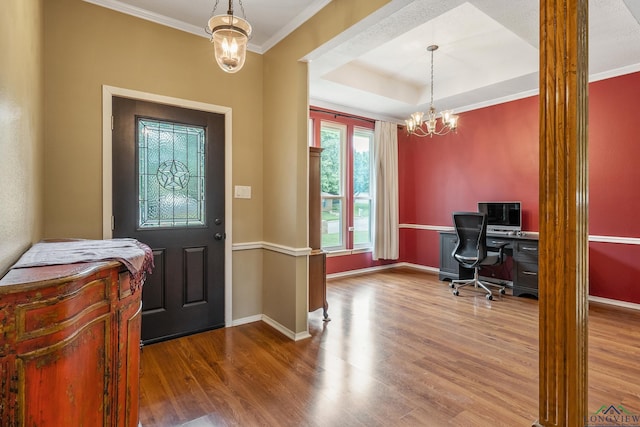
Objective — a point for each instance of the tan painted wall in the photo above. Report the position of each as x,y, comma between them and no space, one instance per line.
279,301
21,91
285,159
247,283
88,46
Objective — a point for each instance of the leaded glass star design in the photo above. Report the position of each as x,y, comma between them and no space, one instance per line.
173,175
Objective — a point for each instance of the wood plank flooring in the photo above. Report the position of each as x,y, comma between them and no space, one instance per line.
400,350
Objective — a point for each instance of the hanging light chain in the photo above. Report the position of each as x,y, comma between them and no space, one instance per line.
242,9
230,11
213,11
432,76
431,49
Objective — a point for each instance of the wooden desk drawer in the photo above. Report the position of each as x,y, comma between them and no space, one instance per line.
527,274
526,251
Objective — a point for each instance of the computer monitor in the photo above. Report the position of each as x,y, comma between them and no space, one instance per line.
502,216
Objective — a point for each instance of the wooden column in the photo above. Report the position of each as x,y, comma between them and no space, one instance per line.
563,212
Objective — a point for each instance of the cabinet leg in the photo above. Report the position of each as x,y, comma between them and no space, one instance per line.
325,313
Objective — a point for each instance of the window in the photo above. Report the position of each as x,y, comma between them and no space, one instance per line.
171,174
362,191
345,179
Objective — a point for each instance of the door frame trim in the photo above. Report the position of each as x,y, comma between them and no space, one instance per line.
108,92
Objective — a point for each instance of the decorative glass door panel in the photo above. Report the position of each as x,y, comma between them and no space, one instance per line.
171,174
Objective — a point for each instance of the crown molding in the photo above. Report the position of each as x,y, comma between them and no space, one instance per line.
128,9
125,8
300,19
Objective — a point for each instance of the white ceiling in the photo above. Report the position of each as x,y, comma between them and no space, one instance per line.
488,49
271,20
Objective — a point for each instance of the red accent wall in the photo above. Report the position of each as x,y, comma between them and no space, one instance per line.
614,157
338,264
614,187
495,156
614,270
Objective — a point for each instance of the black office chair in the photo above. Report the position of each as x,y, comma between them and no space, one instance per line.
471,250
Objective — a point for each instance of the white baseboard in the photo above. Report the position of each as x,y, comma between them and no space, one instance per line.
361,271
369,270
424,268
245,320
275,325
617,303
284,330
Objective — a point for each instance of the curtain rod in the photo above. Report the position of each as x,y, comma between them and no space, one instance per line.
348,116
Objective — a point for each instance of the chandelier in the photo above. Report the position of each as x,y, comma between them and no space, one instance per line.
229,35
426,124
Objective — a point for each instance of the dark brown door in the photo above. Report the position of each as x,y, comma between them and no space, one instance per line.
168,192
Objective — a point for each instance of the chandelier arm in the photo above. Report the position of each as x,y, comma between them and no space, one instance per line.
445,130
421,132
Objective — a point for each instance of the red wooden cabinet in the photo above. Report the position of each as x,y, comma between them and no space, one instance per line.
69,346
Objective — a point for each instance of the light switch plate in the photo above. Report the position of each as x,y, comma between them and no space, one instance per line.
242,192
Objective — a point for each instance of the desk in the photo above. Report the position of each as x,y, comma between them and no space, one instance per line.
523,249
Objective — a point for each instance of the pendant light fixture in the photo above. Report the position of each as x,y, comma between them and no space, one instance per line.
426,124
229,35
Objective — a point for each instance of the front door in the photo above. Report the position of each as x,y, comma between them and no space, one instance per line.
168,192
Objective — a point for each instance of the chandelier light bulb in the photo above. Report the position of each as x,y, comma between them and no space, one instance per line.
417,118
453,121
409,125
228,59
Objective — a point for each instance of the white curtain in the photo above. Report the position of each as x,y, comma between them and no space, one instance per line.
385,219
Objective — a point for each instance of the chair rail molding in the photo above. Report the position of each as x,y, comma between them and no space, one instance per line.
274,247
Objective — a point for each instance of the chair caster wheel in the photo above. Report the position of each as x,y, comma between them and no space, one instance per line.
489,297
451,285
455,292
502,291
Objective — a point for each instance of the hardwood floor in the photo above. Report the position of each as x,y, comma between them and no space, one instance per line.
400,350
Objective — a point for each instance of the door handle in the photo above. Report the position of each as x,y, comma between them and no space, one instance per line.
219,236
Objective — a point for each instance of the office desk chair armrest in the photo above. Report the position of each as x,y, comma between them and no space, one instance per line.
500,249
